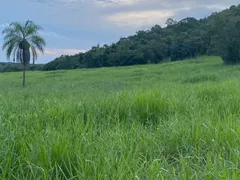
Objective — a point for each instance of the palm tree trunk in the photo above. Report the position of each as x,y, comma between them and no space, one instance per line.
26,60
24,77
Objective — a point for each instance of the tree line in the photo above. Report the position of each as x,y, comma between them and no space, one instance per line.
218,34
16,67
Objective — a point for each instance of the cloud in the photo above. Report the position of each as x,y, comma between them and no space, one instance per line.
142,18
52,35
51,54
107,3
58,52
139,14
216,6
127,14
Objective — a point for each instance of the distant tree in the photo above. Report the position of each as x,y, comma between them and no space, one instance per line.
225,39
21,41
233,7
170,22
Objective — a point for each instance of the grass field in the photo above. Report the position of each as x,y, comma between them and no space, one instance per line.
176,120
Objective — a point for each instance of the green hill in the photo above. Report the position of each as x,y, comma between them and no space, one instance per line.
177,120
217,34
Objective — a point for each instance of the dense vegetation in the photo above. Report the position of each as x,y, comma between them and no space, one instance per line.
216,35
15,67
141,122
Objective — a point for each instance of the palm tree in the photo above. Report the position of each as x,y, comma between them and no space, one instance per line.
21,41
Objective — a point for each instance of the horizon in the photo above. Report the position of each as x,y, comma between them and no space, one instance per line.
67,30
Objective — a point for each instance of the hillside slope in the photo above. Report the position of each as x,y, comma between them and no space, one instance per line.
146,75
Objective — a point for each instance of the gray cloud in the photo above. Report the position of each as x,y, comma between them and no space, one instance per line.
101,13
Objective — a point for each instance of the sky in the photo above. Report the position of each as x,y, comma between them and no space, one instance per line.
73,26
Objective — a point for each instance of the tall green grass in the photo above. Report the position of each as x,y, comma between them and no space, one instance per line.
170,121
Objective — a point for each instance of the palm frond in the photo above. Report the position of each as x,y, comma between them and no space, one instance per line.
10,49
28,22
13,40
11,36
34,54
10,31
31,28
7,30
15,54
38,42
18,28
